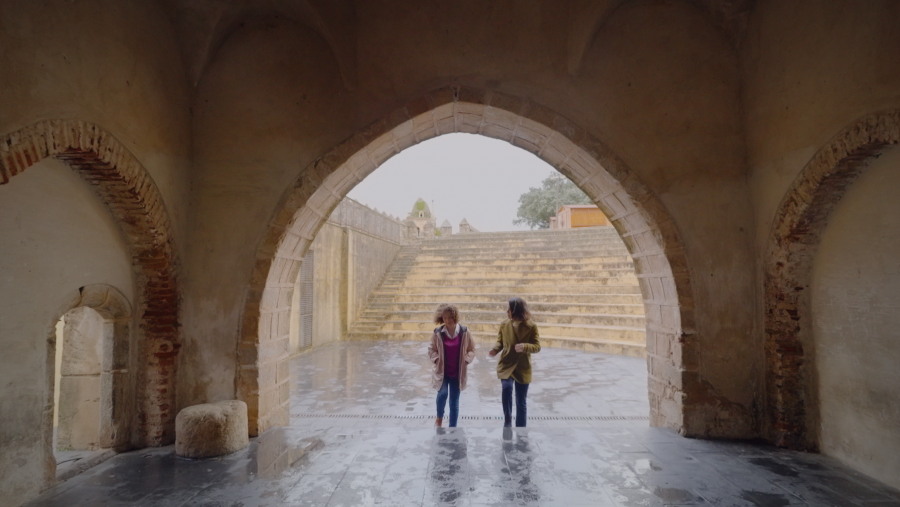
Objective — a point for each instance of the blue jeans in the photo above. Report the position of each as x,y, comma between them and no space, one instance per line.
451,387
506,398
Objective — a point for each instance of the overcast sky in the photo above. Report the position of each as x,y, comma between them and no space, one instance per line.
464,175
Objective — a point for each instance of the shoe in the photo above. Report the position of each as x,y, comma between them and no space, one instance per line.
438,421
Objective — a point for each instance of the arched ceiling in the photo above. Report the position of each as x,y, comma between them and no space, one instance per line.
203,25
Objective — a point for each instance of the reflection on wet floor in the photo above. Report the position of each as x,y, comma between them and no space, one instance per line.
346,461
394,379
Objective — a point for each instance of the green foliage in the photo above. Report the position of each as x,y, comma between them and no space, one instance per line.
539,204
437,232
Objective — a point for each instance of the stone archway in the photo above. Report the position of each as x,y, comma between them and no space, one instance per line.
131,196
801,218
114,382
641,220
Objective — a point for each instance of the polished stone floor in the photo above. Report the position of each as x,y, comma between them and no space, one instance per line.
361,435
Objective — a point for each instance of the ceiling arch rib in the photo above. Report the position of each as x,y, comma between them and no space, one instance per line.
204,25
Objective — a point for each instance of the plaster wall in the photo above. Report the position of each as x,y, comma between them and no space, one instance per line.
271,98
115,64
272,101
856,314
809,69
57,237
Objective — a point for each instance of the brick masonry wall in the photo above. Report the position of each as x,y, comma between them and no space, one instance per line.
125,187
644,224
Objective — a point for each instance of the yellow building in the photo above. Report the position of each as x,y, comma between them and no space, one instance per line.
571,216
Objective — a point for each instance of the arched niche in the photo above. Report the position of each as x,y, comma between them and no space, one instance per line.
801,218
642,221
130,194
94,363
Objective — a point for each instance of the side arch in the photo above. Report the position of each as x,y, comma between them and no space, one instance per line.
643,222
116,405
134,201
801,218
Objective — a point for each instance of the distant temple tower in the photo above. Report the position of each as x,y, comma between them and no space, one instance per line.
446,228
420,223
465,227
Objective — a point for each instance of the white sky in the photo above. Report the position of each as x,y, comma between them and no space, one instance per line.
463,175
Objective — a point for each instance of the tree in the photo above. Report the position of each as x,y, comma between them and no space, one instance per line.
539,204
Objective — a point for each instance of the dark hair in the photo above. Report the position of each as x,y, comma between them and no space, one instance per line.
518,309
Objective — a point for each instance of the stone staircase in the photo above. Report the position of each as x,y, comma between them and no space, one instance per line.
580,285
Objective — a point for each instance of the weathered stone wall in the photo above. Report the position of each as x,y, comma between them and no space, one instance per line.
109,73
329,285
683,140
80,376
352,252
810,132
232,113
855,309
57,237
369,259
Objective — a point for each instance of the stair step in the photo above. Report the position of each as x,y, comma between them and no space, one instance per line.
580,284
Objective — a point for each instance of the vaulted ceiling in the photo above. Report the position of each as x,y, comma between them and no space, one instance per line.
203,25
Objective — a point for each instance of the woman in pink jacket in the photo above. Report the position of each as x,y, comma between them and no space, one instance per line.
451,350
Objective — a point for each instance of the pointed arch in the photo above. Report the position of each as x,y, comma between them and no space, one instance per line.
801,218
137,206
643,222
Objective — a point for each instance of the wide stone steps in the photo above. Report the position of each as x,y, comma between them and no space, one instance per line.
580,285
460,274
607,346
576,291
620,261
511,281
541,237
523,267
496,316
499,304
523,253
630,334
514,247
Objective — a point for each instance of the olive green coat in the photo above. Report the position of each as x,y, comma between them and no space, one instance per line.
516,364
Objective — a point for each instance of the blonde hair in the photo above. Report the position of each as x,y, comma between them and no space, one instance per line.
444,308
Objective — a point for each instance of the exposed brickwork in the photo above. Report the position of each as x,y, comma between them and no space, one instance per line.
799,222
135,202
639,217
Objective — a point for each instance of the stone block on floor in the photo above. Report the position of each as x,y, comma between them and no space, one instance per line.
211,429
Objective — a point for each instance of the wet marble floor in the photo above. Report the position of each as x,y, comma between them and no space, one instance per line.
357,439
392,380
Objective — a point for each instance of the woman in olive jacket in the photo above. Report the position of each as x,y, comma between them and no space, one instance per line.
451,350
517,340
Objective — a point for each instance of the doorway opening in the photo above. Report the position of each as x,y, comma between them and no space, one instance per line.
92,385
644,225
